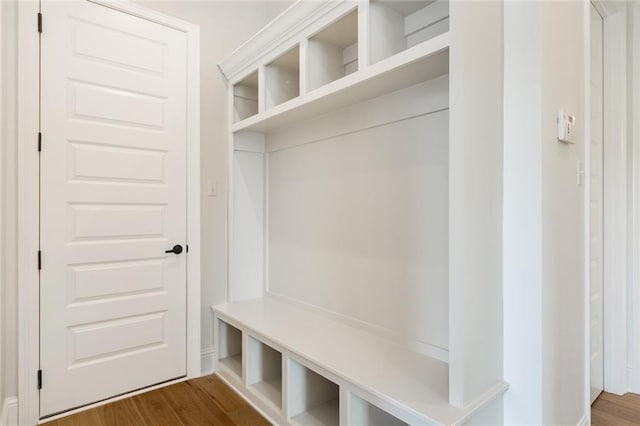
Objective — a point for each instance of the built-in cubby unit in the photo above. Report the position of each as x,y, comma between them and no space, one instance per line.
332,53
282,78
264,371
245,97
364,244
364,413
397,25
314,399
230,348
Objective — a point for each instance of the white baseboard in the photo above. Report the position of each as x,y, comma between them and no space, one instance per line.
9,415
206,361
584,421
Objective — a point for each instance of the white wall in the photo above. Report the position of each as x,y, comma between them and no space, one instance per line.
544,214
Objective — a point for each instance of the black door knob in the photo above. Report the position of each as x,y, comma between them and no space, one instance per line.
177,249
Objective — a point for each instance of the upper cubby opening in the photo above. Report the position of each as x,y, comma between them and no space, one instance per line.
245,97
399,25
282,78
333,52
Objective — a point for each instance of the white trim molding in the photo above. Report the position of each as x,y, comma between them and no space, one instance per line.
584,421
28,283
634,141
207,361
9,414
616,203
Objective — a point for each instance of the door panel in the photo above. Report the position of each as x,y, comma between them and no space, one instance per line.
596,237
113,185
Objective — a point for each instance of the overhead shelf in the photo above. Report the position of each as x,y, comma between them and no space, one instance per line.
420,63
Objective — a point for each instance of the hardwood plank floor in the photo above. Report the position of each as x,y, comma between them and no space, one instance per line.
198,402
614,410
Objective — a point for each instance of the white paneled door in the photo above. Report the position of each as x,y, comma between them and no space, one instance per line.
113,185
596,236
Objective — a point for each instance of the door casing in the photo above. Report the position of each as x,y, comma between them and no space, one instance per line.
617,254
28,201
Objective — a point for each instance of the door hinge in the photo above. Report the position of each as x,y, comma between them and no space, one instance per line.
39,379
40,22
39,260
39,141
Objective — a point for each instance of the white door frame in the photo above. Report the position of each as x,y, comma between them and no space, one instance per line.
28,190
616,205
634,127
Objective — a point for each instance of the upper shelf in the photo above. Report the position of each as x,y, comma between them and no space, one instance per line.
420,63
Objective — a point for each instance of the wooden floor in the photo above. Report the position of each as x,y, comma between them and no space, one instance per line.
209,401
203,401
614,410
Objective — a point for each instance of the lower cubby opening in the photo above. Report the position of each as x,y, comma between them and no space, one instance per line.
230,347
264,371
313,399
364,413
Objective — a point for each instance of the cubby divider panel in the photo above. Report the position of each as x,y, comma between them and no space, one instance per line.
313,400
399,25
333,52
230,347
364,413
282,78
264,371
245,97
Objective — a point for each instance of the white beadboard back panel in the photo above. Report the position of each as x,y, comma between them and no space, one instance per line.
358,223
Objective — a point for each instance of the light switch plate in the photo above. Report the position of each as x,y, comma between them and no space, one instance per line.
212,188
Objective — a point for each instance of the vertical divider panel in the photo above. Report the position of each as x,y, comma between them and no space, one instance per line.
304,66
286,390
248,220
475,223
265,226
364,34
262,89
345,407
245,358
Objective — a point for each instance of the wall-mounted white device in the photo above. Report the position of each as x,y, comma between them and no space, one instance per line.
566,125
